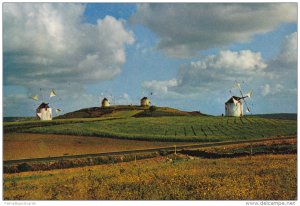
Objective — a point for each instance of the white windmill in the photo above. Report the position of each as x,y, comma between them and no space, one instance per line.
234,106
44,111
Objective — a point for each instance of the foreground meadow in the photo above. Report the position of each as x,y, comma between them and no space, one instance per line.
262,177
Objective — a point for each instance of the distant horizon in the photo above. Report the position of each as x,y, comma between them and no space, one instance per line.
164,106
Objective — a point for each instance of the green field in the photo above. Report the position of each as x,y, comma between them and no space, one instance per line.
20,126
174,128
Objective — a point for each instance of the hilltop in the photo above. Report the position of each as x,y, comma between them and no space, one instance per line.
123,111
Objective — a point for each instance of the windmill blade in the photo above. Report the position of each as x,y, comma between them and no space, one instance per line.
249,94
52,93
243,97
246,105
35,97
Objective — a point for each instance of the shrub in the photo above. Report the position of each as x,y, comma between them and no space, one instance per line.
152,108
163,152
24,167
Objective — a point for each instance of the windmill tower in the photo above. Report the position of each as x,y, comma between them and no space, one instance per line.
105,102
234,106
145,102
44,112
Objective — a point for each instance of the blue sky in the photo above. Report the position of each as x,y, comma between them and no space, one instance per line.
187,55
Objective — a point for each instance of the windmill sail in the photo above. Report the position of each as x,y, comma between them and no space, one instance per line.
35,98
242,98
249,94
52,93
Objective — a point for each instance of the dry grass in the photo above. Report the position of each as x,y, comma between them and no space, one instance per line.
264,177
227,148
23,145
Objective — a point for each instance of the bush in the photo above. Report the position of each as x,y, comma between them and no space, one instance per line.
152,108
163,152
24,167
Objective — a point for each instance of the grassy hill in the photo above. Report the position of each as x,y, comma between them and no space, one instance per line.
156,124
124,111
19,119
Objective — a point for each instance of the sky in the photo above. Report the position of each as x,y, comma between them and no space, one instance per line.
185,56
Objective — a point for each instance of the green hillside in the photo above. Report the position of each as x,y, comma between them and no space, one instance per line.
95,114
177,128
124,111
19,119
156,124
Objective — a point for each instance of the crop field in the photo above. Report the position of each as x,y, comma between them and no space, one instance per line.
26,145
262,177
20,126
177,128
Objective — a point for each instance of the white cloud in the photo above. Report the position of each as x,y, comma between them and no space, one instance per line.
244,60
50,44
211,74
289,51
159,88
284,67
211,78
265,89
187,28
123,99
283,71
274,89
216,71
